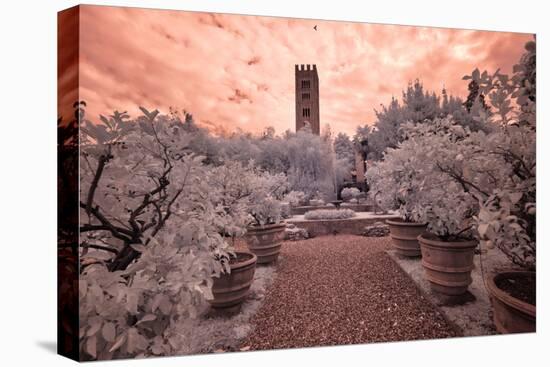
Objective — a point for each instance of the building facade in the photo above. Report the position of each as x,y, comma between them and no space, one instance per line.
307,97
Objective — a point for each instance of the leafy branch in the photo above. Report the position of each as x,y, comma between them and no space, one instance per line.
157,199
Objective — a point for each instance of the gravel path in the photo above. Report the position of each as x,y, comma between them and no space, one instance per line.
336,290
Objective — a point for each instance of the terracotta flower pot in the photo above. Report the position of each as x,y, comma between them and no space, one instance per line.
230,290
404,236
510,314
448,264
265,241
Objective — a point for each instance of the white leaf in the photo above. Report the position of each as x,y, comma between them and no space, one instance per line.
108,331
91,346
94,328
515,197
121,339
156,302
138,247
165,306
148,317
482,229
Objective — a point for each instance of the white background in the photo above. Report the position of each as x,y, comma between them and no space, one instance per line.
28,182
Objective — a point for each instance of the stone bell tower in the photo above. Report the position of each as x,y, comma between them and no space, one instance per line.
307,97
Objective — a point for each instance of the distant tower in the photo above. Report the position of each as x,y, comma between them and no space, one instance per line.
307,97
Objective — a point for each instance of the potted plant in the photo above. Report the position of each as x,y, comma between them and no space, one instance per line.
507,217
514,310
393,182
232,184
448,244
230,289
149,245
474,185
497,168
404,234
429,192
507,220
265,233
266,229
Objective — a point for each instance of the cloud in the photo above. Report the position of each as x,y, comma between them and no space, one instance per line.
236,71
68,63
239,96
254,60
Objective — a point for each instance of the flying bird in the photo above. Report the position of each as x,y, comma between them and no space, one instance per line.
315,27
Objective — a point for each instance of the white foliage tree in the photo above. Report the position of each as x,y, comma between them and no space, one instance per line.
344,150
150,235
471,183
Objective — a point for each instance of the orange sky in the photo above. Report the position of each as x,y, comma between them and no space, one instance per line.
238,71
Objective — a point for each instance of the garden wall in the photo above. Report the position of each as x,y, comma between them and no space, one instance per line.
353,226
299,210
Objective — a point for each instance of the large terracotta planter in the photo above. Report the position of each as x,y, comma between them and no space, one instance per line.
448,264
510,314
404,236
265,241
230,290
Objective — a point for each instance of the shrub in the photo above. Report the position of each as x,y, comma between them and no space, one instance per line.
316,202
427,190
473,184
265,199
507,217
396,182
232,185
285,210
152,231
305,158
329,214
249,196
350,193
295,198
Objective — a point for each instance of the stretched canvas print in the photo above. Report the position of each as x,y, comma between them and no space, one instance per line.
233,183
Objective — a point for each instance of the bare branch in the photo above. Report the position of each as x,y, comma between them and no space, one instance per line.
118,232
103,159
466,185
100,247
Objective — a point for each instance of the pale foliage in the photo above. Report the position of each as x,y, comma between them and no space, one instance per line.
311,167
265,200
234,184
408,179
329,214
395,181
507,217
344,150
305,158
350,193
168,210
295,198
249,195
437,150
418,106
472,183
